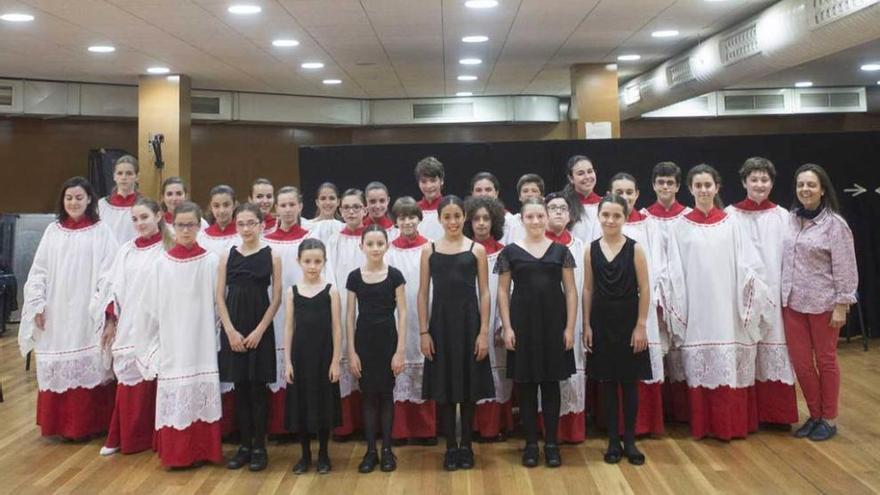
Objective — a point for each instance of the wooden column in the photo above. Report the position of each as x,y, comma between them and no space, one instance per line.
594,96
163,108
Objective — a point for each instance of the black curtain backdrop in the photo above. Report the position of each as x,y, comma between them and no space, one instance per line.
850,158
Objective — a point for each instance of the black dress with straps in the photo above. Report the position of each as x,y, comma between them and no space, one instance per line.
454,375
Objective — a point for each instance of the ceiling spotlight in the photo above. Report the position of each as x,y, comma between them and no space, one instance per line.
667,33
158,70
244,9
629,57
14,17
312,65
285,43
871,67
467,78
481,4
464,93
332,81
477,38
102,49
470,61
803,84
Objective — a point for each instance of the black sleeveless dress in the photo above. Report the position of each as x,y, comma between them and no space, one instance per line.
313,402
247,299
613,316
375,336
455,375
537,314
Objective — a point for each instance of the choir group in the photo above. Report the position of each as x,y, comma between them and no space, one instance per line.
171,329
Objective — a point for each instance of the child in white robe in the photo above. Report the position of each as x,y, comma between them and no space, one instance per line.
115,208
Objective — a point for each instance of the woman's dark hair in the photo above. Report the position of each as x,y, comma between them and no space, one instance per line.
757,164
331,186
406,206
167,182
569,190
530,179
489,176
374,227
152,205
449,199
187,207
707,169
429,166
666,169
218,189
621,176
91,209
829,199
559,195
311,243
615,199
248,207
496,215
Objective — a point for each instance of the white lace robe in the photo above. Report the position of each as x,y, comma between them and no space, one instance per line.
118,219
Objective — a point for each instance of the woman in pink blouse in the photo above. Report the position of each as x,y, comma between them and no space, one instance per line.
819,282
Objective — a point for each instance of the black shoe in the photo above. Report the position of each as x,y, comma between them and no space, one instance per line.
823,431
323,464
530,456
259,460
552,458
368,463
614,454
465,458
450,460
807,428
389,460
302,466
242,457
633,455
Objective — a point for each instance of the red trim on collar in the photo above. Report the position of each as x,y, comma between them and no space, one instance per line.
143,242
169,218
117,199
564,238
71,224
182,253
383,222
214,231
426,205
635,216
296,232
357,233
491,245
749,205
406,243
592,199
269,221
658,210
715,215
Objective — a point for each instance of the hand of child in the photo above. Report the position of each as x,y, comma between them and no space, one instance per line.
568,338
253,339
509,339
397,363
334,371
639,341
40,320
588,338
288,372
354,364
481,346
427,346
109,334
236,342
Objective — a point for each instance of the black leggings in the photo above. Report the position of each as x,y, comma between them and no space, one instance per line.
378,406
527,394
305,440
467,424
630,410
250,408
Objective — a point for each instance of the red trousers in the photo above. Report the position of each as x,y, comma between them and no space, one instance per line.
812,346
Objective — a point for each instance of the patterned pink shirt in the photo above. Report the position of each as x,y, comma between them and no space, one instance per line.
818,264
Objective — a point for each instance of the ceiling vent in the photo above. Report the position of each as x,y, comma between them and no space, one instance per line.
211,105
754,102
827,11
701,106
10,96
442,110
740,45
830,100
679,72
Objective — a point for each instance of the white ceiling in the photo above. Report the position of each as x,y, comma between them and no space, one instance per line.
379,48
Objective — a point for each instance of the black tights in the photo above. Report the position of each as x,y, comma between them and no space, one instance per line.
467,424
378,406
305,440
250,408
630,409
527,394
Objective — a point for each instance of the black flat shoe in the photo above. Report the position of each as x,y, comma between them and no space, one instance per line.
259,460
823,431
323,464
450,460
633,455
530,456
389,461
242,457
807,428
368,463
465,458
613,455
302,466
552,458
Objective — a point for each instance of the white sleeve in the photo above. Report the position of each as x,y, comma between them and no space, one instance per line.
754,303
146,346
34,293
672,291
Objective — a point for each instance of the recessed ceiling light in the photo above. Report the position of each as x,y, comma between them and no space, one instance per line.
102,49
666,33
158,70
14,17
312,65
470,61
611,67
629,57
464,93
803,84
285,43
477,38
467,78
481,4
243,9
871,67
332,81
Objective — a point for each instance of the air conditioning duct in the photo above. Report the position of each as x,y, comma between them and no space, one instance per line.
768,102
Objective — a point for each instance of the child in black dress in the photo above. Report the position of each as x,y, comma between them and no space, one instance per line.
616,301
312,337
455,335
247,345
379,351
